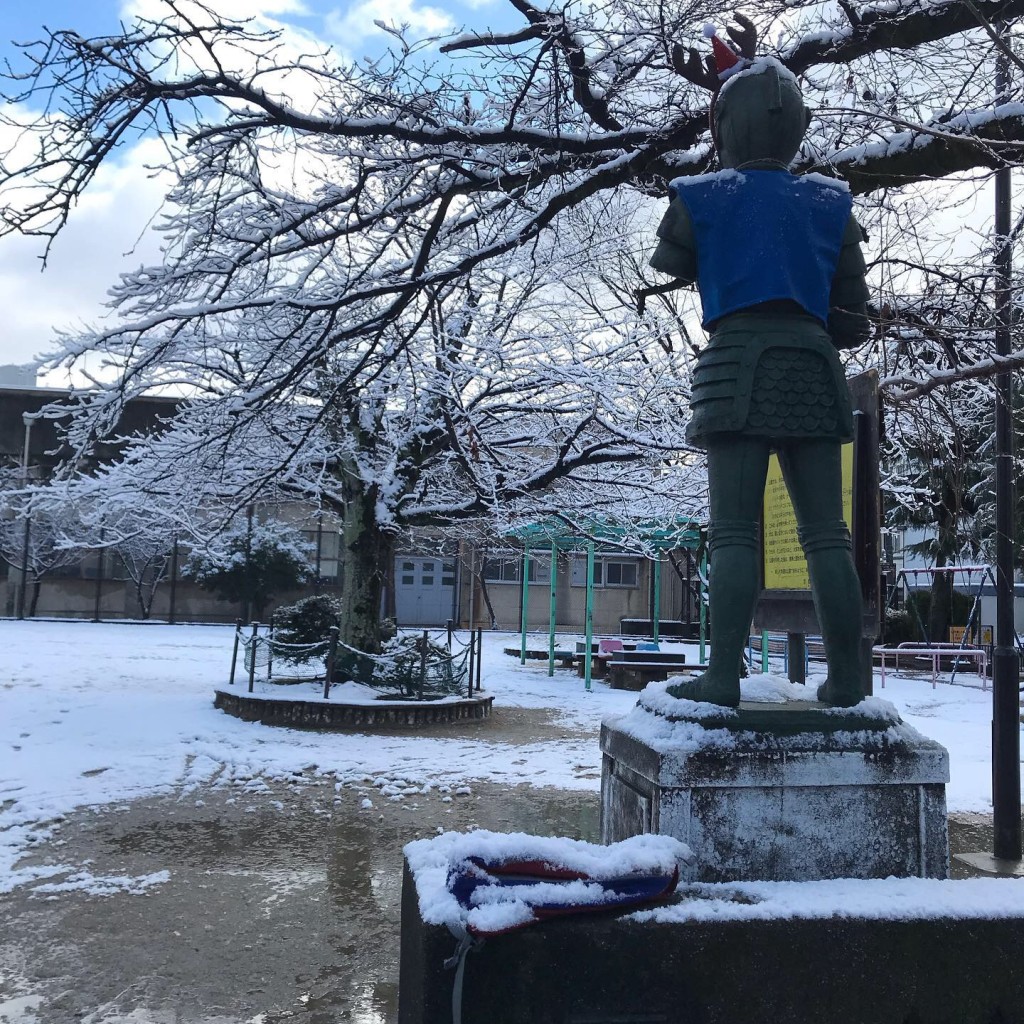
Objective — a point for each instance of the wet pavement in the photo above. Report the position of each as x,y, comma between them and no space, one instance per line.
281,903
279,907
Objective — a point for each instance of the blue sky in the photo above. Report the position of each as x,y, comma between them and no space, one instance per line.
340,22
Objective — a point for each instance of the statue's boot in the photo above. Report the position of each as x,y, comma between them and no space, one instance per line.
732,592
837,600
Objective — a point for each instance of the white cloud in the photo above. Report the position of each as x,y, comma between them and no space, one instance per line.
351,25
105,236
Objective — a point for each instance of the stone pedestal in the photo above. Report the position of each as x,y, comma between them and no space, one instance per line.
763,793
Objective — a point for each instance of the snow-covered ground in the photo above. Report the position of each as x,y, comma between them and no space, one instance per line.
103,713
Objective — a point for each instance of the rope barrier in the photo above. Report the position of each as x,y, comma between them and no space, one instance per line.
415,667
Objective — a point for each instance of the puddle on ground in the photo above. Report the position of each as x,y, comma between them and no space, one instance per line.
281,907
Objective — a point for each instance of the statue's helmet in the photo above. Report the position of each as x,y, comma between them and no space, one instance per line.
759,114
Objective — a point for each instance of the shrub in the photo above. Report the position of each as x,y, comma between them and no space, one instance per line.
307,622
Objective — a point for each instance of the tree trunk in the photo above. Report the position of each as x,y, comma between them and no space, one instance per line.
941,609
37,584
144,607
369,554
941,606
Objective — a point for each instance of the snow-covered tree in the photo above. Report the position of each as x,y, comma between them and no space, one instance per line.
251,563
405,286
50,541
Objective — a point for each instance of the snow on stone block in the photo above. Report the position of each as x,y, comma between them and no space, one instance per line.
488,882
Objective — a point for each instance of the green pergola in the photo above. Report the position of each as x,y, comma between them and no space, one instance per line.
602,535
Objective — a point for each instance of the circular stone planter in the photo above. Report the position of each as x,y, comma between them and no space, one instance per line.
327,715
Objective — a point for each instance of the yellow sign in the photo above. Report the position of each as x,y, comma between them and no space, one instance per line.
785,567
956,635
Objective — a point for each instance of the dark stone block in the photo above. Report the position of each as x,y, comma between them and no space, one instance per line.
602,969
307,714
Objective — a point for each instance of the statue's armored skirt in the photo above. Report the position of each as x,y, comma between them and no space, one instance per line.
771,377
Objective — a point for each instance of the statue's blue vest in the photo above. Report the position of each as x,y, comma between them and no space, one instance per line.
764,235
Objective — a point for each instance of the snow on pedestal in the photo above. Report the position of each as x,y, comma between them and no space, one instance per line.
761,804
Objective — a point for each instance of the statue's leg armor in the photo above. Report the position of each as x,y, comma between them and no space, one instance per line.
737,467
813,474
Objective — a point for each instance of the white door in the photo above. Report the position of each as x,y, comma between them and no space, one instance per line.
424,590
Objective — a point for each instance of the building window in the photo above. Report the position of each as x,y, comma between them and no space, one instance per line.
505,566
608,572
329,546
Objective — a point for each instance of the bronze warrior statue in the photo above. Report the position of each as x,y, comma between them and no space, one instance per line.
778,264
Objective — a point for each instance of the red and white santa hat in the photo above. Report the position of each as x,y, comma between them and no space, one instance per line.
727,60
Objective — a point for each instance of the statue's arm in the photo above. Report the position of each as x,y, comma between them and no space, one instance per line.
848,320
676,253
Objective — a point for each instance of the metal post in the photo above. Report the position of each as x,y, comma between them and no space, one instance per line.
252,657
332,653
174,581
552,608
319,549
589,622
764,651
524,605
270,649
247,600
28,419
656,609
479,654
99,578
1005,662
423,661
234,652
703,608
796,647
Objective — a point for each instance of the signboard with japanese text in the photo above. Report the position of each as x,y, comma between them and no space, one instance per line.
785,567
785,601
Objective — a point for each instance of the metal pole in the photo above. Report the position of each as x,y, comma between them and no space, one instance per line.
479,654
234,652
796,649
524,604
703,608
551,612
99,578
270,649
656,609
252,656
764,651
1005,663
423,661
589,626
247,600
28,419
319,549
174,581
332,653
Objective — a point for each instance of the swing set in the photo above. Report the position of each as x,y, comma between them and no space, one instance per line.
965,649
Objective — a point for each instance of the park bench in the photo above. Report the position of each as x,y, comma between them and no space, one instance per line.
633,670
601,653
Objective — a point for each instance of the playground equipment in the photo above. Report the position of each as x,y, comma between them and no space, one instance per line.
554,536
938,648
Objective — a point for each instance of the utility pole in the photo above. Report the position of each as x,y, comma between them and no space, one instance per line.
28,419
1005,659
